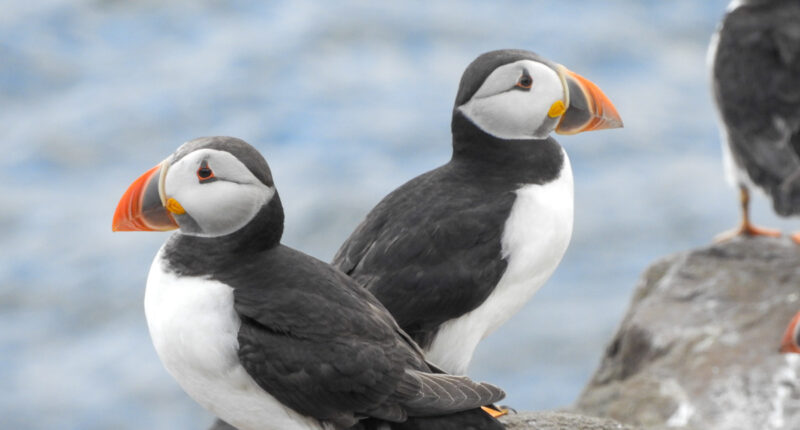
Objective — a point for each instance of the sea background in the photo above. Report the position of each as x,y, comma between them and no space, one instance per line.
347,102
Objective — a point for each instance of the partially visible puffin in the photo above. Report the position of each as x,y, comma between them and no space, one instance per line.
755,72
455,252
260,334
791,337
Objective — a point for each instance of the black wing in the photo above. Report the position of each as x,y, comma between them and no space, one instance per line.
757,88
472,419
430,251
325,347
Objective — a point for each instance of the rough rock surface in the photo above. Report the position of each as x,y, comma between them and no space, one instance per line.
559,421
698,347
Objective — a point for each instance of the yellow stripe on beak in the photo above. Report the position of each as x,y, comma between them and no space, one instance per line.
175,207
557,109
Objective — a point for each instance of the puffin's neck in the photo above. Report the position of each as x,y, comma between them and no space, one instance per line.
519,161
198,256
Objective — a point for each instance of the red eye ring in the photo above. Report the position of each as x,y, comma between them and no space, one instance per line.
525,82
204,173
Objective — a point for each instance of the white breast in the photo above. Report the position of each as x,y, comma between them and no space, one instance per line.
733,5
534,240
194,330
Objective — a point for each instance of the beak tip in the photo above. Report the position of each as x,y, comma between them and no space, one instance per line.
140,209
121,225
591,109
121,222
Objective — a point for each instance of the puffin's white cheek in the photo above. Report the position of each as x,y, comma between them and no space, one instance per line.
511,115
223,207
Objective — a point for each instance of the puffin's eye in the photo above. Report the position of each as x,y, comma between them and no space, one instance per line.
525,82
204,173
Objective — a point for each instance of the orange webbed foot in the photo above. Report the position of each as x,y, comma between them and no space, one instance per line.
747,230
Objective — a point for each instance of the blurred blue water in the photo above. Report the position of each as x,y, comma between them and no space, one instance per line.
346,103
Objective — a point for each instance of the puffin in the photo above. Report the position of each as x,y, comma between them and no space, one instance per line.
791,337
754,58
260,334
455,252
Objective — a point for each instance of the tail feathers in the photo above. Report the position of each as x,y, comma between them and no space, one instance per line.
775,165
431,401
786,196
472,419
438,394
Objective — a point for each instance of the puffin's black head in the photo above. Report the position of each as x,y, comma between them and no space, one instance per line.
210,187
516,94
735,3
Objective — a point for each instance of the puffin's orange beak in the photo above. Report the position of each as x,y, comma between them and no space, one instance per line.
589,109
788,344
141,207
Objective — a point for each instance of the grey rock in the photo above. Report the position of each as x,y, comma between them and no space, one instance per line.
698,347
559,421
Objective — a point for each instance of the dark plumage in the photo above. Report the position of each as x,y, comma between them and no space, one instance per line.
430,250
437,249
308,335
319,343
473,419
221,425
756,85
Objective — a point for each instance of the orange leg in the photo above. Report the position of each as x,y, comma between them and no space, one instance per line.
745,227
796,238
